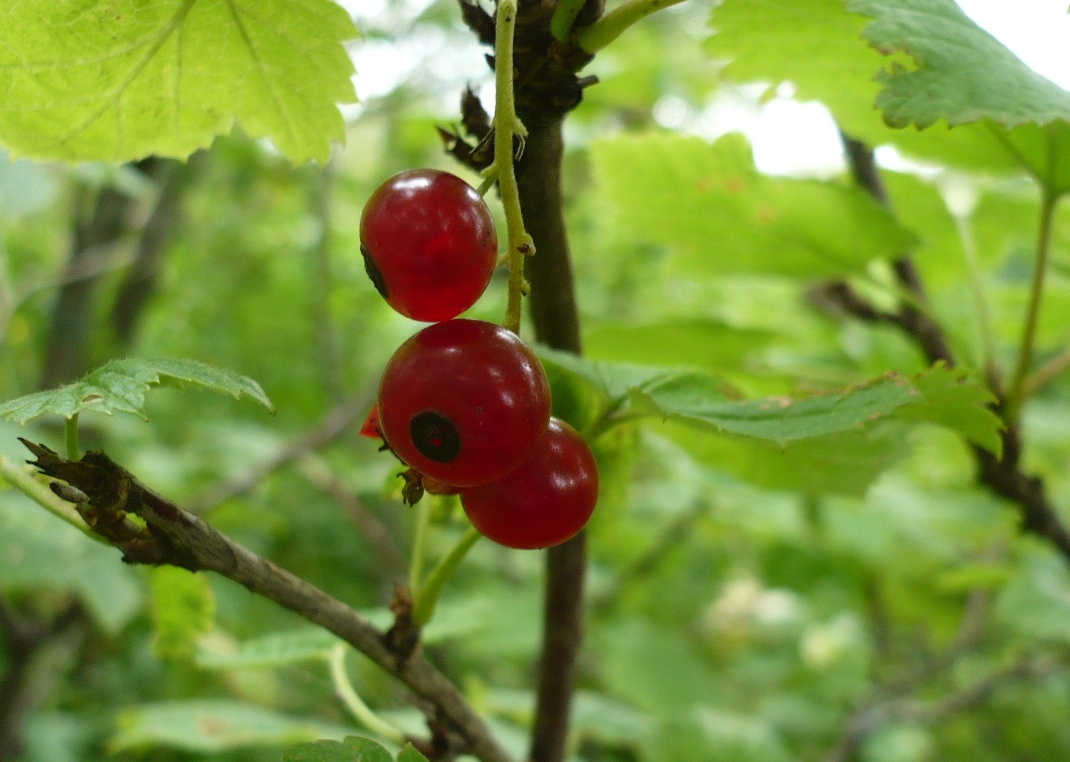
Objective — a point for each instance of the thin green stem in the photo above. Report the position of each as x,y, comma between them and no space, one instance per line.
507,125
23,480
423,607
356,706
70,432
416,563
1015,396
617,21
564,18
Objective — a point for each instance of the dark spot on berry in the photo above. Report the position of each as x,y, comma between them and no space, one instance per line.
435,436
373,272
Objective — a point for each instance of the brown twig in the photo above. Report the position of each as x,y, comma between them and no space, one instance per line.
177,537
555,317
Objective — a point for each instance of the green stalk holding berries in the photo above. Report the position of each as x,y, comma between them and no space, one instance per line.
507,124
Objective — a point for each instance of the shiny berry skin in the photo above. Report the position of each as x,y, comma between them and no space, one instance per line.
545,501
429,244
370,428
463,402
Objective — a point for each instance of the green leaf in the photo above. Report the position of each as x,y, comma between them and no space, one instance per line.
352,749
275,650
703,734
988,576
710,204
121,385
697,343
655,667
817,46
612,380
453,619
39,553
613,723
409,754
950,398
699,401
586,390
125,79
846,463
183,609
963,74
1042,152
210,727
939,395
1036,602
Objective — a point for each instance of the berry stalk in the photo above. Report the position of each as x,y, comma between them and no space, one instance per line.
506,125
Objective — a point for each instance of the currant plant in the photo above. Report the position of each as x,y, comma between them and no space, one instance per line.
827,411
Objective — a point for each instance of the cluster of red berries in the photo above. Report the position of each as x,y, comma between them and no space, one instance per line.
465,403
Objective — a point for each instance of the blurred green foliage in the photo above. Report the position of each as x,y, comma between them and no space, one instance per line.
749,600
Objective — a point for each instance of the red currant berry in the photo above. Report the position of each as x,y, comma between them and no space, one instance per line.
545,501
429,244
370,428
463,402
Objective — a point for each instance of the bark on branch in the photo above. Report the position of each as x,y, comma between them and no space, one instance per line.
1004,475
175,536
555,316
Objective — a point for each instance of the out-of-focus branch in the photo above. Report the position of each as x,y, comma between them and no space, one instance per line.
99,222
555,315
154,241
371,528
334,425
35,649
916,322
643,566
174,536
322,284
873,717
1002,475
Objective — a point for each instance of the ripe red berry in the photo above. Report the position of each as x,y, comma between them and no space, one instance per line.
429,244
370,428
546,500
463,402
